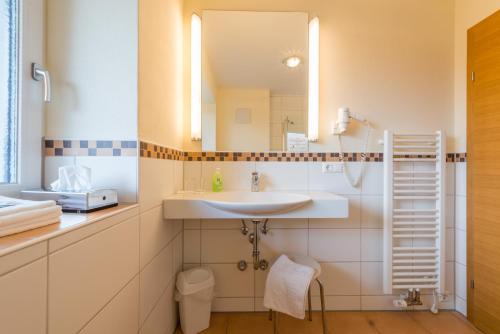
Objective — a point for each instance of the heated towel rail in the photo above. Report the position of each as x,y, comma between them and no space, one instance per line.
414,209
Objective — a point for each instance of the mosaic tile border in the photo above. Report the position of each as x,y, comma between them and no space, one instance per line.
148,150
89,148
61,147
281,156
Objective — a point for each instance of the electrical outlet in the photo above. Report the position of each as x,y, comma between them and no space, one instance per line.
332,167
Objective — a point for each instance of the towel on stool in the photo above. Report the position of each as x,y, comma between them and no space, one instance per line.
286,287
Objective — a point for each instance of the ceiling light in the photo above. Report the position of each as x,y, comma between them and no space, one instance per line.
292,62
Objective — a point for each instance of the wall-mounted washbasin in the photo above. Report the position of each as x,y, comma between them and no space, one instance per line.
256,203
247,204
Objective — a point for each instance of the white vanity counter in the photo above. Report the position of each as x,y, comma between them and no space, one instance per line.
248,205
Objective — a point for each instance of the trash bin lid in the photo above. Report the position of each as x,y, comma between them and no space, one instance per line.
194,280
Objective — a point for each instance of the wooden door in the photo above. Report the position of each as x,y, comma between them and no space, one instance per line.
483,174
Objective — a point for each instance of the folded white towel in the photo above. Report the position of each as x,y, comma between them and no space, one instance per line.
10,205
25,225
286,287
20,215
39,214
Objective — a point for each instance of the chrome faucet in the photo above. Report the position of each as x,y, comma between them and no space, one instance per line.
255,181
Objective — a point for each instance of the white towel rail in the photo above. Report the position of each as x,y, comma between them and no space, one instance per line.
414,224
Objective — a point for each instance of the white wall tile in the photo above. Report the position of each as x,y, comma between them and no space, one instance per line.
340,278
377,303
372,212
372,244
236,175
450,278
461,247
450,244
156,182
192,246
192,224
450,211
337,303
178,176
450,178
260,282
155,233
373,180
371,278
461,179
224,246
283,175
353,221
334,245
336,182
231,282
288,223
222,224
192,175
461,281
461,213
283,241
461,305
177,249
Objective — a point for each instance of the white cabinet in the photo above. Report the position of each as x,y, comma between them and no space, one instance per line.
23,296
86,275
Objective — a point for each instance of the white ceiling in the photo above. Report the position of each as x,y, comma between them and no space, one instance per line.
245,50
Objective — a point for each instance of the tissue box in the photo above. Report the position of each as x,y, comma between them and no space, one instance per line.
82,202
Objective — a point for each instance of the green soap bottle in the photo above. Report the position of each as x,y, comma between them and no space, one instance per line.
217,183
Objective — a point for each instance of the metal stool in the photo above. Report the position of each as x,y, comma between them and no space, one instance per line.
312,263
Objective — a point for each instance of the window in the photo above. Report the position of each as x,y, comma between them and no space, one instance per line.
9,38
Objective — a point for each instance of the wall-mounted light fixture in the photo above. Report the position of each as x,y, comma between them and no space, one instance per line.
195,77
313,98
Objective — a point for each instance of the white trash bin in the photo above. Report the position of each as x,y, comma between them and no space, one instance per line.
195,291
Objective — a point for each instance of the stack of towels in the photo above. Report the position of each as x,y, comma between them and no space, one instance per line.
18,215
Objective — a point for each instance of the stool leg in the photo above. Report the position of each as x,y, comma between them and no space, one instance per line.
322,295
275,322
309,301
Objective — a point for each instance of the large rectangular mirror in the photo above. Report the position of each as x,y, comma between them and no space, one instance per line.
254,81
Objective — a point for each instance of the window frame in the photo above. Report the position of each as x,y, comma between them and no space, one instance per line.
30,108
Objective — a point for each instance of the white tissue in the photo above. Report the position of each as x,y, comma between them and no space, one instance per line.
72,178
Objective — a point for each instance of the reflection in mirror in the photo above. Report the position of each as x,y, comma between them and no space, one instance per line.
254,81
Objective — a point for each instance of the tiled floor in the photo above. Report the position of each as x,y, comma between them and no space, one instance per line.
343,323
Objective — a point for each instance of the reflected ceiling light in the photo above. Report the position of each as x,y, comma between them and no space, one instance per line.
195,77
292,62
313,98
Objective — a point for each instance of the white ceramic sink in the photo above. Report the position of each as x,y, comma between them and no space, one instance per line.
248,205
256,203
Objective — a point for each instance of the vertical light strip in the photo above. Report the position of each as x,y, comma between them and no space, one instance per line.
313,98
195,77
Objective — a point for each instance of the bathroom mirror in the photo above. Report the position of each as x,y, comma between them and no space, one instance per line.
254,81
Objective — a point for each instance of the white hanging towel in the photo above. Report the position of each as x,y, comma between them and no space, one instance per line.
286,287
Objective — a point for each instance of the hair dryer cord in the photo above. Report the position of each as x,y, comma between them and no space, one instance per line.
355,182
